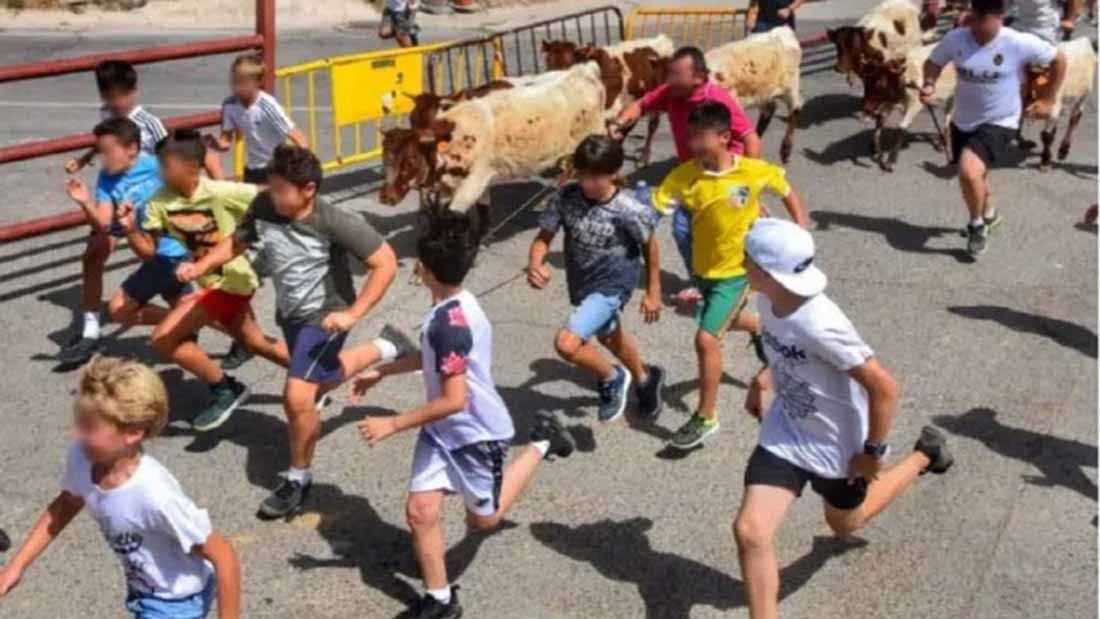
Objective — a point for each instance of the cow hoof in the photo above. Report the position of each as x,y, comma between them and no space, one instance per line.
1026,144
785,153
1063,152
1044,167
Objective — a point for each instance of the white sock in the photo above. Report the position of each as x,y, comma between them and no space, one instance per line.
302,476
388,352
91,325
542,446
991,213
443,595
977,222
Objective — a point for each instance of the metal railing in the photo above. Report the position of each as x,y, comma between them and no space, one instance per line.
521,48
702,28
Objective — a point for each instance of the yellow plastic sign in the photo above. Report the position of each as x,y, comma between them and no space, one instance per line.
370,88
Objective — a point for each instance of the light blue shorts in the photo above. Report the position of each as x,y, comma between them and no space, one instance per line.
597,315
194,607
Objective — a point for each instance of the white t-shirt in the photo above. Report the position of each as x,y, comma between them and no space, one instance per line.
1043,18
456,338
264,125
990,76
149,523
818,418
152,130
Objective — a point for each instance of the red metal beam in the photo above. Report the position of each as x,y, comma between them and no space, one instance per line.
265,29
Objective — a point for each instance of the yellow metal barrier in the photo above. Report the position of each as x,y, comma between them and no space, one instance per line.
703,28
467,64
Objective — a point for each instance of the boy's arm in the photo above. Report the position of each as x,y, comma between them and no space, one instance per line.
77,164
882,402
451,401
651,302
142,243
382,266
227,572
793,203
298,138
223,252
365,380
57,516
97,211
759,387
538,276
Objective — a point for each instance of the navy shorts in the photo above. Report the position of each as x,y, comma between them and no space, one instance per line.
768,469
314,354
255,176
155,277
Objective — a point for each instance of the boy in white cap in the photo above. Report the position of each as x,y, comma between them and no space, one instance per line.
829,419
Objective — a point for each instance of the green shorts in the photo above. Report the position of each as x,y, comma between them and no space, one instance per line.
723,300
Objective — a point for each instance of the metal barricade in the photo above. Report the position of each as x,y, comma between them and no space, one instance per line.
703,28
521,48
463,65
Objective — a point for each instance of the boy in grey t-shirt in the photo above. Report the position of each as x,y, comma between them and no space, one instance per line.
828,422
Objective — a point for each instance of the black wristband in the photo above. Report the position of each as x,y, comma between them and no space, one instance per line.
758,348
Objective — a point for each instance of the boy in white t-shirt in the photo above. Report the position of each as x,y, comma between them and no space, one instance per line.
399,22
465,427
830,417
172,560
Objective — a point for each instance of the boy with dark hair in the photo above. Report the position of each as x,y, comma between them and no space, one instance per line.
721,191
829,420
307,247
606,232
465,427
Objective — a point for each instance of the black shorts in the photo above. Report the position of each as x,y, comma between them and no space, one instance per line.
991,143
768,469
155,277
255,176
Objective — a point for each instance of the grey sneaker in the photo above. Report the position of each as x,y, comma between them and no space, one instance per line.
933,443
693,433
79,352
977,237
223,401
286,500
398,338
614,395
649,394
991,223
430,608
548,428
237,356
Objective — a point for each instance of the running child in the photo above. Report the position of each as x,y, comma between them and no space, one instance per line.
829,420
465,427
173,561
606,233
722,192
308,246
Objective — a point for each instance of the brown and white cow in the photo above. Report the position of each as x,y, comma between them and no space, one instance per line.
887,32
1076,88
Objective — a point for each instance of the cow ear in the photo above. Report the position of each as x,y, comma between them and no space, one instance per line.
830,33
545,46
899,25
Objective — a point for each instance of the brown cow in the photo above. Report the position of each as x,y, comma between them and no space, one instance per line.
560,55
428,105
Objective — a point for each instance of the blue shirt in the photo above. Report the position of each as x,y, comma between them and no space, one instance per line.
136,186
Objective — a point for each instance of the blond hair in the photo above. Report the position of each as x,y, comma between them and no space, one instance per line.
249,65
126,393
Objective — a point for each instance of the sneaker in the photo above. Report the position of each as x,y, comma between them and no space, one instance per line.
236,357
991,223
976,240
649,394
933,443
693,433
430,608
548,428
5,542
79,352
223,401
399,339
323,402
613,395
286,500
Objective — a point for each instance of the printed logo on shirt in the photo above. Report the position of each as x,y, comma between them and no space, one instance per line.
979,77
787,352
739,195
798,399
126,545
198,229
998,59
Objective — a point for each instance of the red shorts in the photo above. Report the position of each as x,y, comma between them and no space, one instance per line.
225,307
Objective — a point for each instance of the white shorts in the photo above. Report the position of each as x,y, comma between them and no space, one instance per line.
475,471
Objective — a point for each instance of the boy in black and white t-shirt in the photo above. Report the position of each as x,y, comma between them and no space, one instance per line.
465,427
172,560
829,419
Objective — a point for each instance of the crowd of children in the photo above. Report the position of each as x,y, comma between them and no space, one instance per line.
199,237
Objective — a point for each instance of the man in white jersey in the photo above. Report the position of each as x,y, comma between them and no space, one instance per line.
991,61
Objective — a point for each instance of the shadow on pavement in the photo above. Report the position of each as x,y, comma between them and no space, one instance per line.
1062,332
1059,460
671,585
900,235
827,108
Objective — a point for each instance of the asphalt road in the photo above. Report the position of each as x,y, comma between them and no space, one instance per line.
1001,354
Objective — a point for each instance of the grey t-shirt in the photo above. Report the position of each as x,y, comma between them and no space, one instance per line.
603,241
308,258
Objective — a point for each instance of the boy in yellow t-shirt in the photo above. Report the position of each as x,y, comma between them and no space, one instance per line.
722,191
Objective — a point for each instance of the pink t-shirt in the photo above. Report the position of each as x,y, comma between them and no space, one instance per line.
662,99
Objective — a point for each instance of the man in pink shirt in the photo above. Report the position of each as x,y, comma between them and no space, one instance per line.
688,86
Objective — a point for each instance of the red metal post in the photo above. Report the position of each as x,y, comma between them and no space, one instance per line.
265,28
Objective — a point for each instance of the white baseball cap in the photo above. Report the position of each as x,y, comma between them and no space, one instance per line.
785,251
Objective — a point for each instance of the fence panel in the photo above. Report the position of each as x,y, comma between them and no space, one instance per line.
464,65
521,48
703,28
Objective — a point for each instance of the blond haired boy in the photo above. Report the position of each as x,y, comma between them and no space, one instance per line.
172,560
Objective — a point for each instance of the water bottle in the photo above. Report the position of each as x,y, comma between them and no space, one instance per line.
643,193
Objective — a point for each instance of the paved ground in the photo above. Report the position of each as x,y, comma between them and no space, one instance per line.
1001,354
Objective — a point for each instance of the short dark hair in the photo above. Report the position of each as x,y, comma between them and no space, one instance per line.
115,75
186,144
712,116
598,153
698,59
448,245
988,7
124,130
296,165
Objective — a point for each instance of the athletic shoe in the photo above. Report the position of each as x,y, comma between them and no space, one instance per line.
399,339
976,240
614,394
548,428
430,608
991,223
5,542
237,356
286,500
224,399
79,352
323,402
649,394
693,433
933,443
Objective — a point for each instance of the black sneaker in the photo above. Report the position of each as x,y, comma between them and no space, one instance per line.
286,500
79,352
224,399
649,394
398,338
5,542
976,239
430,608
548,428
614,395
237,356
933,443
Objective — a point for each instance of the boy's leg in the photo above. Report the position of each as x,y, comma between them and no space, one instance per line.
708,349
124,309
648,380
130,303
249,334
172,339
763,509
98,248
597,315
303,421
583,354
423,514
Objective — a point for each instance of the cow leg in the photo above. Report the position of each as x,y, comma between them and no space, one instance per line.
876,137
484,215
1067,140
1048,141
766,113
647,148
787,145
899,141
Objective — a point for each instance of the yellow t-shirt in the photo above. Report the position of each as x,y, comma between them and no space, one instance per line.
201,222
722,205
